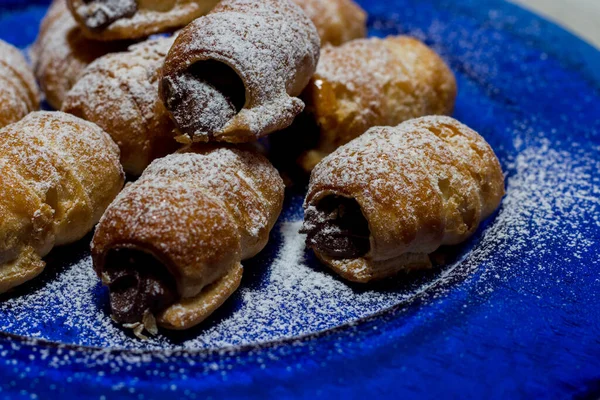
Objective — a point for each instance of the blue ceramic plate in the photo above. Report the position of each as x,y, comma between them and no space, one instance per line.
513,313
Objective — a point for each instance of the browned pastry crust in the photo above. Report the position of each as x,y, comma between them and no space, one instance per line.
135,19
58,174
19,93
374,82
119,92
197,214
61,52
229,78
337,21
426,183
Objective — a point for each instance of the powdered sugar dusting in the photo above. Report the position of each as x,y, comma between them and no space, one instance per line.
296,295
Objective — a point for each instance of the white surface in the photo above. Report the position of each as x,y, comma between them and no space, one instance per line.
581,17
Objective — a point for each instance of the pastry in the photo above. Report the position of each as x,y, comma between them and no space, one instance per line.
383,202
337,21
170,246
61,52
374,82
229,77
119,92
58,174
19,93
135,19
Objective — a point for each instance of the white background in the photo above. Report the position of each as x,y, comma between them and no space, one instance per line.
581,17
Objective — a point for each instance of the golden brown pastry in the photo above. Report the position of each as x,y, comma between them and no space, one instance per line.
374,82
337,21
233,75
58,174
169,248
135,19
119,92
61,52
386,200
19,93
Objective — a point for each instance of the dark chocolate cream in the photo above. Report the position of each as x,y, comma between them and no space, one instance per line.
204,98
138,282
337,228
99,14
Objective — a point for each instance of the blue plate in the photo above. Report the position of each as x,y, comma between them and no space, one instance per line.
513,313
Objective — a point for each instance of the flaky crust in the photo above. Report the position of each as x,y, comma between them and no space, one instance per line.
58,175
61,52
119,93
151,16
426,183
337,21
274,68
199,212
374,82
19,93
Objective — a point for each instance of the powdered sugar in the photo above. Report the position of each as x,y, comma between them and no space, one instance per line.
287,293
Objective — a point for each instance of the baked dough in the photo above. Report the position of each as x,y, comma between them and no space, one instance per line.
386,200
61,52
170,247
374,82
58,174
337,21
119,92
135,19
19,93
234,74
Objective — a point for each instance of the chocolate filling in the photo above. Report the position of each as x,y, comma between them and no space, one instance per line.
99,14
138,282
204,98
337,228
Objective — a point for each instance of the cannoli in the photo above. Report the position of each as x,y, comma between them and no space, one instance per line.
135,19
61,52
383,202
374,82
119,92
58,175
233,75
170,247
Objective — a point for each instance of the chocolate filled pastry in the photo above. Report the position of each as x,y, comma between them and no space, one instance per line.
233,75
135,19
337,21
61,52
383,202
170,247
58,174
119,92
374,82
19,93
